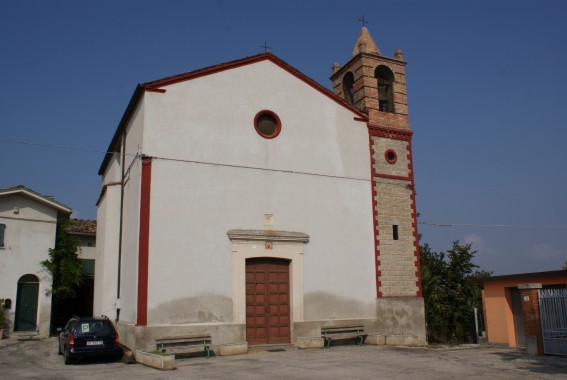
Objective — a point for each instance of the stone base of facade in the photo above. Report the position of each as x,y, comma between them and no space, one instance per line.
375,339
391,340
144,337
231,349
305,342
398,321
163,362
401,340
401,317
313,328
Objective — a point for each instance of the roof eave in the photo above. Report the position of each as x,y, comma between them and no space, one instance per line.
138,92
41,198
518,276
157,84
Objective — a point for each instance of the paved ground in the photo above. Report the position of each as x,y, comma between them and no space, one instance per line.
39,360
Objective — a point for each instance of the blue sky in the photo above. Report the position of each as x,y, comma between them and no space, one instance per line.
486,86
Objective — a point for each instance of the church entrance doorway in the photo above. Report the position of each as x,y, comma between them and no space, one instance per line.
267,301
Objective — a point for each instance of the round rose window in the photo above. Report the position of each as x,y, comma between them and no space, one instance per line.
267,124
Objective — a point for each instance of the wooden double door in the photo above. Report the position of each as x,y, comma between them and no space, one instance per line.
267,301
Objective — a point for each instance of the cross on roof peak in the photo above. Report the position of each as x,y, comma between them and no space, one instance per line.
364,21
266,47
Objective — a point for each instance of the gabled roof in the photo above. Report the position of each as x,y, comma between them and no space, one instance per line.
157,86
46,199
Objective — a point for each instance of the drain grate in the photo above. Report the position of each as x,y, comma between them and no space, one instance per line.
275,350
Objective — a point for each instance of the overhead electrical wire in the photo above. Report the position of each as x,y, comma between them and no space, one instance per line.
138,155
492,191
61,147
490,225
88,150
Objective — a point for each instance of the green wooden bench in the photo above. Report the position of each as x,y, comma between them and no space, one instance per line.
184,344
343,332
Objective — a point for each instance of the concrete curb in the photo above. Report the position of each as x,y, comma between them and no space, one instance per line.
162,362
232,349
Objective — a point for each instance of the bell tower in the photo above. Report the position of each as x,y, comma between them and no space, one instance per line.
373,83
376,85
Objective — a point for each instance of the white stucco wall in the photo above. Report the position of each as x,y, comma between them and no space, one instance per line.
131,226
87,246
130,243
113,171
314,178
29,235
108,227
106,261
210,119
107,236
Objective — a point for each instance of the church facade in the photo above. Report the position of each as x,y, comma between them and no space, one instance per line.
248,202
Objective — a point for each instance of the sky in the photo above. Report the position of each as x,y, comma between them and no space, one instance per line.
486,90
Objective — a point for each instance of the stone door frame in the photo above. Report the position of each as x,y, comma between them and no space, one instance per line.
249,244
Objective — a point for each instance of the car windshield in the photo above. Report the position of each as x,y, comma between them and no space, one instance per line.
93,327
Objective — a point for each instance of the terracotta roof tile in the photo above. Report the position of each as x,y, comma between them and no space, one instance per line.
82,226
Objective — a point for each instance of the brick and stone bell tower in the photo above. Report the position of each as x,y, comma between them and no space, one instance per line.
376,85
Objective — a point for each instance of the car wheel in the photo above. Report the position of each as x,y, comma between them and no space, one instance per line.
59,349
66,358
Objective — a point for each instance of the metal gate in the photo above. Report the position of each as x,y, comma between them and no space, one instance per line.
553,315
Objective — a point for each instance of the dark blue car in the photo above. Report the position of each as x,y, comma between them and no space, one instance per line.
87,337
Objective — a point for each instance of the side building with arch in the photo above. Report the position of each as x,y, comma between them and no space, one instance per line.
28,223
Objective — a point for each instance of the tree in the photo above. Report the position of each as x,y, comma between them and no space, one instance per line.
564,265
451,290
64,264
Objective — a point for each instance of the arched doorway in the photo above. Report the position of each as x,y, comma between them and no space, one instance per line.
26,303
267,301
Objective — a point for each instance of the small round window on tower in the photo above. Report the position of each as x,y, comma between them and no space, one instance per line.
391,156
267,124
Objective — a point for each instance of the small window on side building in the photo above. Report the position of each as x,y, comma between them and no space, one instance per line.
88,268
395,233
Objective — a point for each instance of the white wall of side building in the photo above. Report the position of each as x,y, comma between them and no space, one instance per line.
30,233
87,247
